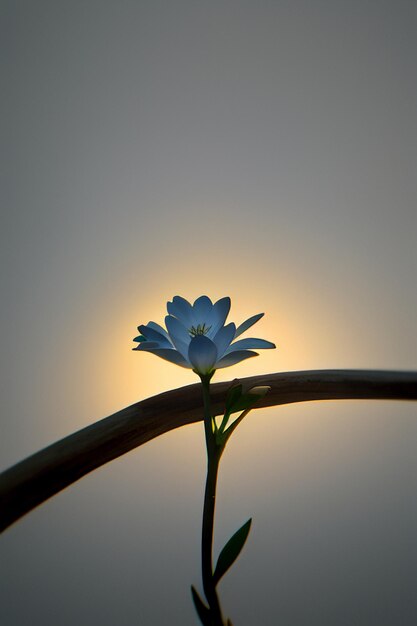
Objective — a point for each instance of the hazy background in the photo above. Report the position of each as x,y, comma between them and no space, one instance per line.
264,150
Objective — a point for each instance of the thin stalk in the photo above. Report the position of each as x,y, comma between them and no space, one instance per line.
213,459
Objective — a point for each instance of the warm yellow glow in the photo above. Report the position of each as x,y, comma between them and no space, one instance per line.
120,376
107,375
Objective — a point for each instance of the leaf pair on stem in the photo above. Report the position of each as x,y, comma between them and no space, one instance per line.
225,561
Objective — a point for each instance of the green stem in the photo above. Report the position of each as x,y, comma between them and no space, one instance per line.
208,428
213,459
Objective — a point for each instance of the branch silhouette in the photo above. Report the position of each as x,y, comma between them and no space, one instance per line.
35,479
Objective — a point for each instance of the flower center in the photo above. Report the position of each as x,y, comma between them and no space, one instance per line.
201,329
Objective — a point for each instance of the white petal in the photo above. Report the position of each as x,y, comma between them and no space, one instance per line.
219,314
147,346
154,335
202,311
248,323
202,354
181,309
249,344
171,355
235,357
223,338
178,334
158,328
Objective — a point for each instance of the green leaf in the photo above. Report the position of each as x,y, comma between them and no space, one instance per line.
250,398
203,611
245,401
139,338
231,551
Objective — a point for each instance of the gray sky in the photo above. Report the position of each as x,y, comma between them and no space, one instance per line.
262,150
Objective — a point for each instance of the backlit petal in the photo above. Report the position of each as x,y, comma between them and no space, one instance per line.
147,346
154,335
202,354
139,338
181,309
178,334
171,355
249,344
223,338
248,323
235,357
219,314
158,328
202,310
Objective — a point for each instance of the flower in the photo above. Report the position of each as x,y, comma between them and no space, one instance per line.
196,336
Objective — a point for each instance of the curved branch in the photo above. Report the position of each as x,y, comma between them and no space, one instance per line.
40,476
